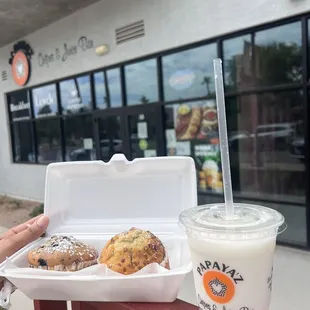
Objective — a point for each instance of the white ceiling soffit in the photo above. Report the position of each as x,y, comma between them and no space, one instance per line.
21,17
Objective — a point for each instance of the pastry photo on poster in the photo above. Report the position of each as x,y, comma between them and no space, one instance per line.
196,120
209,170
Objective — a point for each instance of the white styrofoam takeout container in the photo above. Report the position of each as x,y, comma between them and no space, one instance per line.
94,201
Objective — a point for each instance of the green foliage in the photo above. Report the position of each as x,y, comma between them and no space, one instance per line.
37,211
275,63
15,203
279,63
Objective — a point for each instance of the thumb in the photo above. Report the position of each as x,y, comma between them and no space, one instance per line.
33,232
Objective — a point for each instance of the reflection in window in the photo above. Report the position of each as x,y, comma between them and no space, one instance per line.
45,101
48,139
238,63
100,91
19,105
23,142
79,138
114,91
76,95
266,137
110,137
189,74
141,82
278,55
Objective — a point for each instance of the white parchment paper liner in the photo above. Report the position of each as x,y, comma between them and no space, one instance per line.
99,270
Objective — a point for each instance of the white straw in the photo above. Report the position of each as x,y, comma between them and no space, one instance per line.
220,100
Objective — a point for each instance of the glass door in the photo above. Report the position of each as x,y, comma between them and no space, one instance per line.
136,132
110,138
145,131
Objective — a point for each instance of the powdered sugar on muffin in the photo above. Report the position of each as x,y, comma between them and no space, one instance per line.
63,253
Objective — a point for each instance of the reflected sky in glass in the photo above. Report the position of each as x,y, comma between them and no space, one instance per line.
114,87
75,94
189,73
233,50
141,82
290,33
113,95
100,91
45,101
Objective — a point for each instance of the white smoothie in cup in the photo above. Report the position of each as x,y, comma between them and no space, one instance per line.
232,258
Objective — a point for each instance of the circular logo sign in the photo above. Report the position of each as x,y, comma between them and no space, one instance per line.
219,287
20,68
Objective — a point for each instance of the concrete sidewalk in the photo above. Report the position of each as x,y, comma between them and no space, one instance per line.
290,284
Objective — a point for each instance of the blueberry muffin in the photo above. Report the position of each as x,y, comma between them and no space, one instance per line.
63,253
130,251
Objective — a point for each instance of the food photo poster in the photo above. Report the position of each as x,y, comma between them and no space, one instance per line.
192,130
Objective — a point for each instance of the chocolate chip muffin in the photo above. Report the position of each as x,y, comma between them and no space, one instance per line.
130,251
63,253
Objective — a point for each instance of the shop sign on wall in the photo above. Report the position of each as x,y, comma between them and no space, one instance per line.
66,51
20,62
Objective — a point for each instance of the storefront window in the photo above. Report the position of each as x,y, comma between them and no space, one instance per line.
266,130
114,90
100,91
192,130
266,138
237,60
141,82
48,139
189,74
110,137
76,95
23,142
45,101
79,138
19,105
278,55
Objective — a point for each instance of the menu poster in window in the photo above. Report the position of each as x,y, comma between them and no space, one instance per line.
197,120
208,163
150,153
45,101
142,130
171,139
76,95
88,143
19,105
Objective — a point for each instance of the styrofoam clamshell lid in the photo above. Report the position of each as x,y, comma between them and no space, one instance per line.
98,197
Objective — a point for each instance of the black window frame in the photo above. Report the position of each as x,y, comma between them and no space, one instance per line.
304,85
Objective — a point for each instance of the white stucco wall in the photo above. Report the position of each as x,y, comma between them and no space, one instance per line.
168,23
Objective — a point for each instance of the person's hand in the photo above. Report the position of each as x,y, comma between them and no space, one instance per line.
19,236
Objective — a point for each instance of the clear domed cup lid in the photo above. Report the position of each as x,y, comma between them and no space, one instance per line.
249,222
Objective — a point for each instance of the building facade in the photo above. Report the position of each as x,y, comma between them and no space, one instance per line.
152,94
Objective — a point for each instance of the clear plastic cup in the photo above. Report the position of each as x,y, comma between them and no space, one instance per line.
232,259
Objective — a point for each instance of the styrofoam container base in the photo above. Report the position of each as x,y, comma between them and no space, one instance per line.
50,286
93,201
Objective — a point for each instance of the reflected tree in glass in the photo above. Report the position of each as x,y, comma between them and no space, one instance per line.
278,55
279,63
46,109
